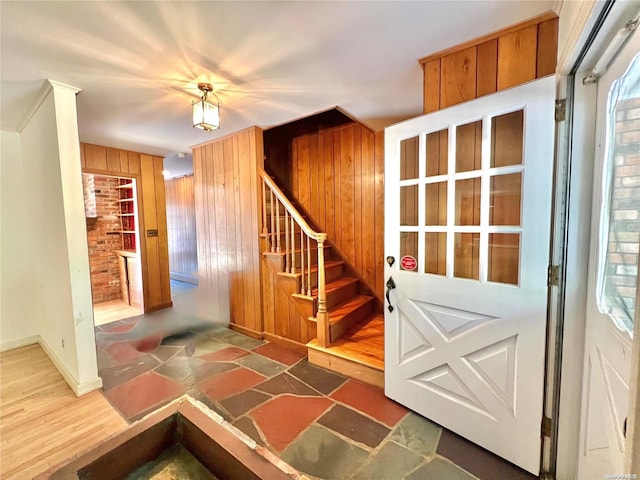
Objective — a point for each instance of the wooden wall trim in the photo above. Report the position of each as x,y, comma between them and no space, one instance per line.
491,36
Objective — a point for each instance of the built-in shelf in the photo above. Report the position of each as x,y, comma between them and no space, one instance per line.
127,213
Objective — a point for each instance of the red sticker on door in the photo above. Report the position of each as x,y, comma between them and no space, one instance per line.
408,263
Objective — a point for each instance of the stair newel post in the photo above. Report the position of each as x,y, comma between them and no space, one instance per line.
278,249
293,247
322,316
273,244
287,252
302,289
265,228
309,263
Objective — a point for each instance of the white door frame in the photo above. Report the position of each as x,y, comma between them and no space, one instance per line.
577,20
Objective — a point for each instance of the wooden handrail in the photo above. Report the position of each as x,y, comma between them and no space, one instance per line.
322,315
317,236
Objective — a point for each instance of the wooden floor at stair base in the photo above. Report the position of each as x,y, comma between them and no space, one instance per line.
42,422
358,354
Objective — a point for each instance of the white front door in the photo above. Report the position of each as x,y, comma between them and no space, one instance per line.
467,227
613,271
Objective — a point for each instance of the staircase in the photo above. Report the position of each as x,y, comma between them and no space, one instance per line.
349,331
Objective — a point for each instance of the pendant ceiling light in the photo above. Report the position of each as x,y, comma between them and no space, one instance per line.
206,115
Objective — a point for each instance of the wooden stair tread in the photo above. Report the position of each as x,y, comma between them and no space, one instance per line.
363,344
334,285
340,311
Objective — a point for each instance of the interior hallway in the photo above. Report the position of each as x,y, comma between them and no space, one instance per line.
324,424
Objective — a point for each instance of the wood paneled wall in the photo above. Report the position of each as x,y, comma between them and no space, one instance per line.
504,59
228,224
337,176
147,170
181,226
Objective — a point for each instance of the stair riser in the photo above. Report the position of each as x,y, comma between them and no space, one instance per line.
340,295
330,274
351,319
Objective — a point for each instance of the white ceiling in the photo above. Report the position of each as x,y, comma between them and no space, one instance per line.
138,63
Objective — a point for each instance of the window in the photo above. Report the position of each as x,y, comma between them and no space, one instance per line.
620,216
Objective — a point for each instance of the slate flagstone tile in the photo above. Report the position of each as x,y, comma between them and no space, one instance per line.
243,402
227,354
114,376
283,418
370,400
124,352
118,327
207,346
322,380
229,383
237,339
323,454
189,370
417,434
261,364
355,426
442,470
285,383
246,426
483,464
392,461
280,354
165,352
139,394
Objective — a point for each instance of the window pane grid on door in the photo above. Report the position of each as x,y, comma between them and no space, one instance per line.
507,139
505,199
409,158
460,200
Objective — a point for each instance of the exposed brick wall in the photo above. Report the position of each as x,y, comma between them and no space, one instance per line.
624,233
105,278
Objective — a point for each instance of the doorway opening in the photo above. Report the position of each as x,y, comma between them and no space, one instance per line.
111,209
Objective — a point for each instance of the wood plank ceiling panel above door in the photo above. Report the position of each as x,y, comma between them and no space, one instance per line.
503,59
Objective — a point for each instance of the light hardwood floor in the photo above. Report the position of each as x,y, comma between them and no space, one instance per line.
42,422
112,311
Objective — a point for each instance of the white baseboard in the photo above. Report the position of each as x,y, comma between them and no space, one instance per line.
78,388
22,342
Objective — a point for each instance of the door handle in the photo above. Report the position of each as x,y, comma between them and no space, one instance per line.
390,286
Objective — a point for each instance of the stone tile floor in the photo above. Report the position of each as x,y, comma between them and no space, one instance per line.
322,423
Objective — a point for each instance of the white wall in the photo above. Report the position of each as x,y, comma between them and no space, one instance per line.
18,326
55,260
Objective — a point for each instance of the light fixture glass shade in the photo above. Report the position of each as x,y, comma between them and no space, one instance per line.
206,115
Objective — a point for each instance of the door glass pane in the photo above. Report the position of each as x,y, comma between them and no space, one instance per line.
436,203
437,153
466,255
468,202
506,191
504,257
620,216
408,251
468,146
506,139
409,158
409,205
435,244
